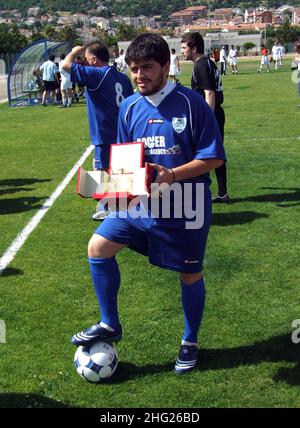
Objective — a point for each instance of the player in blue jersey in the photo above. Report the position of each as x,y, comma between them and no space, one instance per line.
183,143
106,89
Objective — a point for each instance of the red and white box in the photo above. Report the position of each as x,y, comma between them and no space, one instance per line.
126,176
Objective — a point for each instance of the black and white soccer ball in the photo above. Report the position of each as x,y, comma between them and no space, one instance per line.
97,362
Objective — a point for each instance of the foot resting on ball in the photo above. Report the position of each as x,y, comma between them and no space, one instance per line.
94,333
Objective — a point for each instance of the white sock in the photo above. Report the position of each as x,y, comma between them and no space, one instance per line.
107,327
186,343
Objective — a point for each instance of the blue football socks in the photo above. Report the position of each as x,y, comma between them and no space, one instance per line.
193,301
106,278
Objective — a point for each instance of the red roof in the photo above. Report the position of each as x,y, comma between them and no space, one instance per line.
196,8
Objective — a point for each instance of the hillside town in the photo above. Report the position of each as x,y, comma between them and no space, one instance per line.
194,18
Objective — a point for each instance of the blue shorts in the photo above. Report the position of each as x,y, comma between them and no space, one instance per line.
101,156
166,242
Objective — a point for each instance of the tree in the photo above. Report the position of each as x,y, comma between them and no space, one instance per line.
36,35
247,46
18,40
68,34
50,32
11,40
107,39
125,32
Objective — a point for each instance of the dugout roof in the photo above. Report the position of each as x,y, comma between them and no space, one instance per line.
22,87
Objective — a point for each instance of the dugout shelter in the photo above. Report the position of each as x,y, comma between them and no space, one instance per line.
23,86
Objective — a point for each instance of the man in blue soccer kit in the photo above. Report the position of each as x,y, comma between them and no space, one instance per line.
106,89
183,143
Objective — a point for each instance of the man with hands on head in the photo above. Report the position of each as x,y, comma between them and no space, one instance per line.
106,88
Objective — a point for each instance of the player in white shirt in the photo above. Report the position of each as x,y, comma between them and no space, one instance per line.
281,54
276,49
296,63
174,66
65,85
233,53
223,60
121,63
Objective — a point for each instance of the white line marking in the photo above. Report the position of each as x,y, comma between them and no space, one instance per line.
4,101
264,139
14,247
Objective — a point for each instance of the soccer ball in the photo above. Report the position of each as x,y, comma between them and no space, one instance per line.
96,362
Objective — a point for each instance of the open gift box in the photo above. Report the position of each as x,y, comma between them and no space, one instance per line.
126,177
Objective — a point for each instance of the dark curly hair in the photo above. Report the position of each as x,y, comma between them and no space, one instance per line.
148,46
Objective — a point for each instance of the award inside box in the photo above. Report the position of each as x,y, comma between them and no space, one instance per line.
126,177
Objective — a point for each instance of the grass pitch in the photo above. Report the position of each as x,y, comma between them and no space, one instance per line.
247,357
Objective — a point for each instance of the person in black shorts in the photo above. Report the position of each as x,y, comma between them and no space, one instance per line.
206,80
49,70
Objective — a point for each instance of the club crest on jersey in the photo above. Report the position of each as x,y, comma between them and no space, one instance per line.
179,124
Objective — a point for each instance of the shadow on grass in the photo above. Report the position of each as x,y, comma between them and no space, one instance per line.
229,219
16,400
127,371
12,271
19,182
16,205
14,185
241,87
278,349
289,198
15,190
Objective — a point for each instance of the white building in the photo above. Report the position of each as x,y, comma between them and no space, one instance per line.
34,11
296,16
231,38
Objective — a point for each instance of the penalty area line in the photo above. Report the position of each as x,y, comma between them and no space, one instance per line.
15,246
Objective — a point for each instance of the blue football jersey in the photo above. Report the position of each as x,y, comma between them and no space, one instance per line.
106,89
182,128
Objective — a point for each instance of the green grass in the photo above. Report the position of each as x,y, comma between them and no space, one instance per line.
247,358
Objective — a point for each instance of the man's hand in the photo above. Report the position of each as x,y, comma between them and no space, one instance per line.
70,58
77,50
164,175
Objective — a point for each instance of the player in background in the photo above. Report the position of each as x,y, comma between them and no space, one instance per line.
174,66
233,54
172,116
49,70
223,60
65,85
106,88
121,63
206,80
276,52
296,65
281,52
264,59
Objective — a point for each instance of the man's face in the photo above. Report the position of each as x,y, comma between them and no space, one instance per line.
187,52
149,76
90,59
